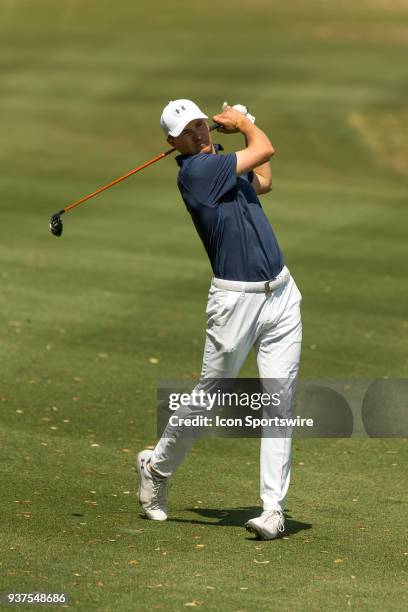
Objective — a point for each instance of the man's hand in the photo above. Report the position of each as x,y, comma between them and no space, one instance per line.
231,120
242,109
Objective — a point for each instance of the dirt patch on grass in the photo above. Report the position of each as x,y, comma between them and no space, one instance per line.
386,134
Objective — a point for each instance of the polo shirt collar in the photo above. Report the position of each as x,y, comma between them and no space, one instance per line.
181,158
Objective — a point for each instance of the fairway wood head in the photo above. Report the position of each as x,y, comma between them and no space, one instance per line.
56,225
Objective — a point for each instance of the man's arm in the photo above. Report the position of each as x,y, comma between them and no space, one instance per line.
262,181
258,151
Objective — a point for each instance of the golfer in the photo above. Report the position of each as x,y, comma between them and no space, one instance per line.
253,300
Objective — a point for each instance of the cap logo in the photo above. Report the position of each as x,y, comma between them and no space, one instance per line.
179,110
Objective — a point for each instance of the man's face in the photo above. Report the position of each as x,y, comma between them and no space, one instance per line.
195,138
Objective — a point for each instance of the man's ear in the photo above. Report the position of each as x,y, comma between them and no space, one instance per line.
170,140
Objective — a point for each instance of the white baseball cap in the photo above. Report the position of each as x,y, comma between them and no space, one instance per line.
177,114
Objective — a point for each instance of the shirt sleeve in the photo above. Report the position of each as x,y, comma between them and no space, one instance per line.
209,177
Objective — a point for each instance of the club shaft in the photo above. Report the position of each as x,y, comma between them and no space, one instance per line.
122,178
118,180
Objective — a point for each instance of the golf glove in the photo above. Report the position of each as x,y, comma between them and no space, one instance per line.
242,109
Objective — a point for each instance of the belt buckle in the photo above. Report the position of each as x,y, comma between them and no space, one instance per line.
268,288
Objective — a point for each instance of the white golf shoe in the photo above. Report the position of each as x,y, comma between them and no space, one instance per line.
267,526
152,489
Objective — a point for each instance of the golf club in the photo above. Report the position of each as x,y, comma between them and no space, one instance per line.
56,226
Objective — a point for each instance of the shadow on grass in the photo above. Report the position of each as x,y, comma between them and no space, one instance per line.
237,517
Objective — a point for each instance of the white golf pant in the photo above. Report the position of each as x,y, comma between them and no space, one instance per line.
237,320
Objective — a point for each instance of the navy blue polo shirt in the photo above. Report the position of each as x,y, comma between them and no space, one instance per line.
229,218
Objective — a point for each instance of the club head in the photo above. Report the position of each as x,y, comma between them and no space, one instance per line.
56,225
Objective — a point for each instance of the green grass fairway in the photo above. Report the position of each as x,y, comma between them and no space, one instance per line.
89,322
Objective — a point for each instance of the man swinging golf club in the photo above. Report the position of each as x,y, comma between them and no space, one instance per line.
253,300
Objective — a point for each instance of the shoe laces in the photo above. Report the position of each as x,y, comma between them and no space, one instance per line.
274,516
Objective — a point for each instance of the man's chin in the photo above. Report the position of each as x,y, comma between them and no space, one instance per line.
205,148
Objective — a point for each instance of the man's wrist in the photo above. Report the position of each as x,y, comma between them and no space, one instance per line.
244,125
